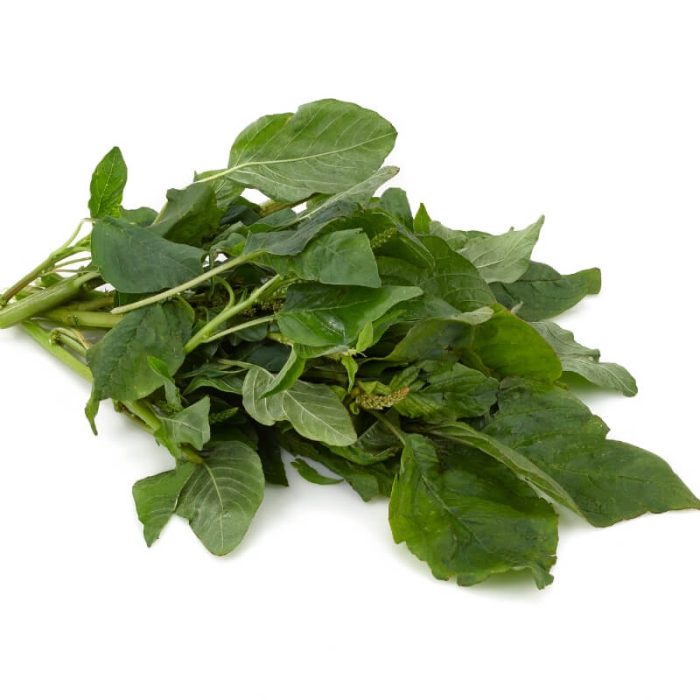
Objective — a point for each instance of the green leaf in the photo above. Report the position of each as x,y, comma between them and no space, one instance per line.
467,517
187,427
318,315
189,215
542,292
291,371
107,185
222,496
503,258
608,480
337,258
327,146
376,444
135,259
312,475
439,338
457,392
119,362
143,216
313,409
421,221
519,464
156,498
510,347
395,201
584,361
454,279
368,481
172,393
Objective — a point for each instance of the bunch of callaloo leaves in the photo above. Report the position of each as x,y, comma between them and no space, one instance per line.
414,361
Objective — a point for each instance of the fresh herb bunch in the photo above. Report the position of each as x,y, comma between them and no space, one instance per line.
414,361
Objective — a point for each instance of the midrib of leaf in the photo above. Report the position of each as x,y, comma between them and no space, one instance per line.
104,189
221,503
242,166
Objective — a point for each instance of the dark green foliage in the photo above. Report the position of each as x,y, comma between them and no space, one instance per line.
413,361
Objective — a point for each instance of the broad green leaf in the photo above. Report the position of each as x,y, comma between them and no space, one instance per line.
454,278
135,259
542,292
439,338
608,480
318,414
510,347
313,409
319,315
293,242
226,191
467,517
337,258
229,382
375,445
457,392
107,185
143,216
189,215
119,361
327,146
503,258
584,361
190,426
156,498
519,464
360,193
312,475
222,495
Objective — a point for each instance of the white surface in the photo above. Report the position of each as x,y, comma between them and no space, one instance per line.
504,111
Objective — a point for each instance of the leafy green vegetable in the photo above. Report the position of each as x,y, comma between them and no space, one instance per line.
413,361
107,185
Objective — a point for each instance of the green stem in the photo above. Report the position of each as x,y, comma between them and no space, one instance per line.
162,296
203,335
270,206
44,339
38,304
240,327
82,319
69,339
65,251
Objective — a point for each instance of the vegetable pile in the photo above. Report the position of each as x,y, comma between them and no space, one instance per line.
414,361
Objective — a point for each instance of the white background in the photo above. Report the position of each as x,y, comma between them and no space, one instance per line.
587,112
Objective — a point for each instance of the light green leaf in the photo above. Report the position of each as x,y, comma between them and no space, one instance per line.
107,185
187,427
222,496
172,393
503,258
584,361
327,147
291,371
466,516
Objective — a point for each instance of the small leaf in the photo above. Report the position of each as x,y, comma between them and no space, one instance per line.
156,498
107,185
310,474
187,427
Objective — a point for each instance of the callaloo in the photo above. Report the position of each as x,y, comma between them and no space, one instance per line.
416,362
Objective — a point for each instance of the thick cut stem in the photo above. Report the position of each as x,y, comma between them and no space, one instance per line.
76,318
41,302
